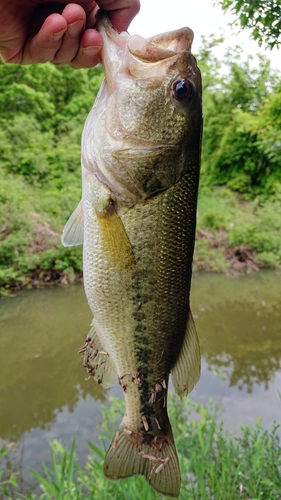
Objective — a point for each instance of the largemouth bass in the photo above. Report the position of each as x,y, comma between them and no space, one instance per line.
140,170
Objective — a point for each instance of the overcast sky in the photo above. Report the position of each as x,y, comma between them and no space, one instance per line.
202,16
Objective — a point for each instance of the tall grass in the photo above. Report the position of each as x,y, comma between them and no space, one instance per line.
214,464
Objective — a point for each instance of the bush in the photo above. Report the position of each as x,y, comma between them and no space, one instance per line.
214,464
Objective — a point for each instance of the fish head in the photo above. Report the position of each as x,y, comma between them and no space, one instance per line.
150,108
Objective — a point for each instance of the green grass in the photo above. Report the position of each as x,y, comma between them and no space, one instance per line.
31,223
233,233
214,464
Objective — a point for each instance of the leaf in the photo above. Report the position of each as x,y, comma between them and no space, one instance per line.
96,450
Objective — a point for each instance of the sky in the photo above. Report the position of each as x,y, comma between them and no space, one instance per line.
203,17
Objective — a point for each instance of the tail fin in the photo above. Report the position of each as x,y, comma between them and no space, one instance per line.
158,462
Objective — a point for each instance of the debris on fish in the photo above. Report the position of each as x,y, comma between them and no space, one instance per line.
140,171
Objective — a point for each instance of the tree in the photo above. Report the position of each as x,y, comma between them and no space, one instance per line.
42,110
262,17
241,142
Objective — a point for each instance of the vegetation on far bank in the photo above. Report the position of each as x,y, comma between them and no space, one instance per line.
214,464
235,235
42,110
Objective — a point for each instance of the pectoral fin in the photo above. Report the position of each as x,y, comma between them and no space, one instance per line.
96,359
116,244
117,248
186,371
73,233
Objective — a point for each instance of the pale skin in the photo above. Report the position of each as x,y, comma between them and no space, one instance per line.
38,31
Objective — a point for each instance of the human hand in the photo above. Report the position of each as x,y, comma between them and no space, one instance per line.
40,31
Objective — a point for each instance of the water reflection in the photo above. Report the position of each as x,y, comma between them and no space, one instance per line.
40,369
239,325
43,392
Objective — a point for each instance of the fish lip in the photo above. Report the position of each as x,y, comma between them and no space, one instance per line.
148,50
105,28
113,50
160,47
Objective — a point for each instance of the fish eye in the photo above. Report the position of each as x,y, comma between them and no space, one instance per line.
182,90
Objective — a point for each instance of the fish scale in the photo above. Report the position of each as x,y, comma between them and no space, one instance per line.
136,220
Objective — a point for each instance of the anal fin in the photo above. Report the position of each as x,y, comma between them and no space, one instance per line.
186,371
97,361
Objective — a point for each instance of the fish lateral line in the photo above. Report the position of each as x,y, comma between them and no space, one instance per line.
160,389
161,356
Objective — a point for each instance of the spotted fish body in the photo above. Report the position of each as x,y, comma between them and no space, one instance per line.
136,220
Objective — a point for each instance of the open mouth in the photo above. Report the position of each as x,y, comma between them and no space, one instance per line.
146,50
160,47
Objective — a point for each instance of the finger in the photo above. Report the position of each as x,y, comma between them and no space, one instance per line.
89,53
75,17
80,2
120,12
43,46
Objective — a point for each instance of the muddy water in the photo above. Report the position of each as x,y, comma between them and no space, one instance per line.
43,392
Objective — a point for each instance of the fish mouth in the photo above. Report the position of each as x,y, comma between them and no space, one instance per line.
120,48
163,46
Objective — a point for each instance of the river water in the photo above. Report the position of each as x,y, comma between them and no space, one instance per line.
43,391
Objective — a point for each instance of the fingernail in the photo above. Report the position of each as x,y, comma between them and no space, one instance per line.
75,29
59,35
91,51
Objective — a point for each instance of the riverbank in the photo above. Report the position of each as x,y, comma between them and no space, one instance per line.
213,463
40,178
47,397
233,236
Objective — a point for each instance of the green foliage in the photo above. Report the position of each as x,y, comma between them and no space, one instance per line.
261,230
241,142
11,480
214,464
263,18
239,161
42,110
50,93
31,162
59,482
30,248
228,225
